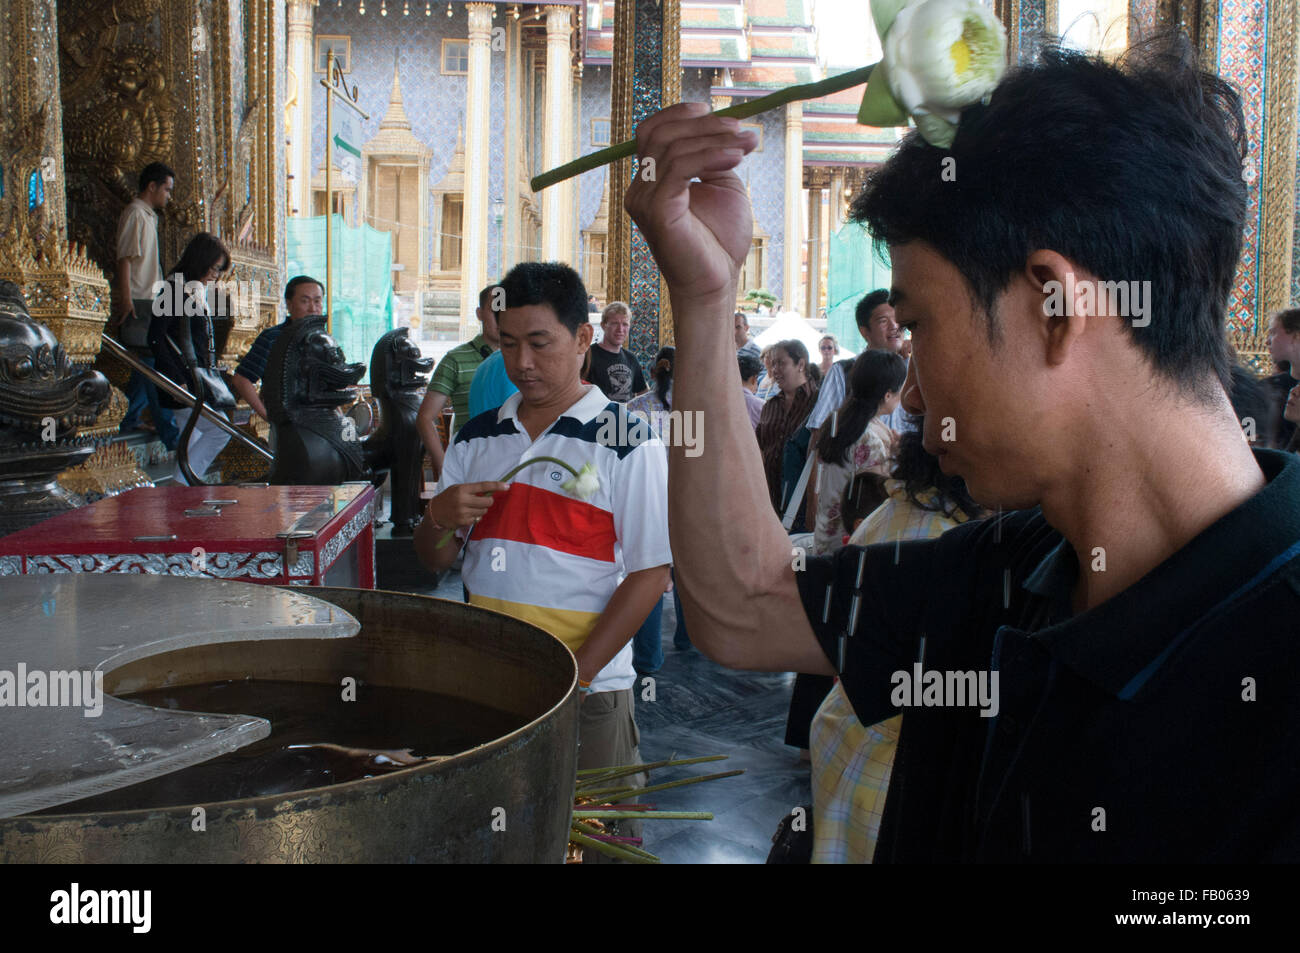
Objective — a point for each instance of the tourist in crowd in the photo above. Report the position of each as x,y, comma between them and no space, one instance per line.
852,762
743,344
615,369
1146,477
782,421
767,388
587,570
1284,348
827,347
184,345
452,378
1256,410
136,277
303,297
1292,413
653,408
750,368
858,442
874,317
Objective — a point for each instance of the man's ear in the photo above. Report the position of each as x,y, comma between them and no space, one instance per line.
1055,300
585,334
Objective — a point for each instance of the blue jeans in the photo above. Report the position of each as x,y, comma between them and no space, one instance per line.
141,392
647,644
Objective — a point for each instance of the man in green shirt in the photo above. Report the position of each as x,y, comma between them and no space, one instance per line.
452,378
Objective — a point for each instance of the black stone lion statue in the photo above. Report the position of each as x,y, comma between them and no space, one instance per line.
43,403
398,378
307,380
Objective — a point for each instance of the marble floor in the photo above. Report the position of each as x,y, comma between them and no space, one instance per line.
700,709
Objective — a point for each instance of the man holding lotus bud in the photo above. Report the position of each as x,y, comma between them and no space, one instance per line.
1138,591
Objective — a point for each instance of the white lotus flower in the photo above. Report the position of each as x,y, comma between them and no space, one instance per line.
939,57
584,485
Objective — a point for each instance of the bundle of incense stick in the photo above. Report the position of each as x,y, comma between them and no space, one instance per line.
596,801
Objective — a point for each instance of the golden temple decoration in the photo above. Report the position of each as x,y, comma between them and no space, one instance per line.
114,468
1278,160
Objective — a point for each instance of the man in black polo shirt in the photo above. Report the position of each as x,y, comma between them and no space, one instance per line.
303,297
1130,615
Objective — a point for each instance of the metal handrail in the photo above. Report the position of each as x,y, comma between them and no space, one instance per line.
176,392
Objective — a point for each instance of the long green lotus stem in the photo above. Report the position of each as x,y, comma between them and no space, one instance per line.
612,773
612,793
643,815
634,768
751,107
446,537
616,851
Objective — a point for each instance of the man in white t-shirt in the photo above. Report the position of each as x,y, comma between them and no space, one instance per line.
586,566
136,275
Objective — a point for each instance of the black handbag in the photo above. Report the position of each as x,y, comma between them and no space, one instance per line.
216,392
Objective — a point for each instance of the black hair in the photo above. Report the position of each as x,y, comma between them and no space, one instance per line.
865,492
873,374
663,372
795,350
550,283
750,366
1252,400
920,473
814,372
1289,319
293,284
485,294
203,252
155,172
870,302
1156,195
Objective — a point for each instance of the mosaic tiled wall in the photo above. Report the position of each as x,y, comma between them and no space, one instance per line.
1240,59
1033,21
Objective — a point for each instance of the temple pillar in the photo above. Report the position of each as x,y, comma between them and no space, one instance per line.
791,280
514,139
813,291
31,120
298,112
837,201
556,209
473,261
646,76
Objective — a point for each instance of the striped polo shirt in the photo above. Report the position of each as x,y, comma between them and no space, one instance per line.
544,556
454,374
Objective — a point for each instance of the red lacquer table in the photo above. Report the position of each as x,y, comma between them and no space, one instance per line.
275,535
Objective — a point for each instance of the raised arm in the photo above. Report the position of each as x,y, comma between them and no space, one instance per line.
733,558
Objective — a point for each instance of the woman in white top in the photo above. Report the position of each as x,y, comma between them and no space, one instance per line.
855,440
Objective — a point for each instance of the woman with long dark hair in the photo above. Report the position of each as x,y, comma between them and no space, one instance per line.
181,337
855,440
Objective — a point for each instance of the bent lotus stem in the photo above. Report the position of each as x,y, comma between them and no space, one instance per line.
446,537
752,107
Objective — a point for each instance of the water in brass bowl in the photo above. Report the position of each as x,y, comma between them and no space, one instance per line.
320,735
483,705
